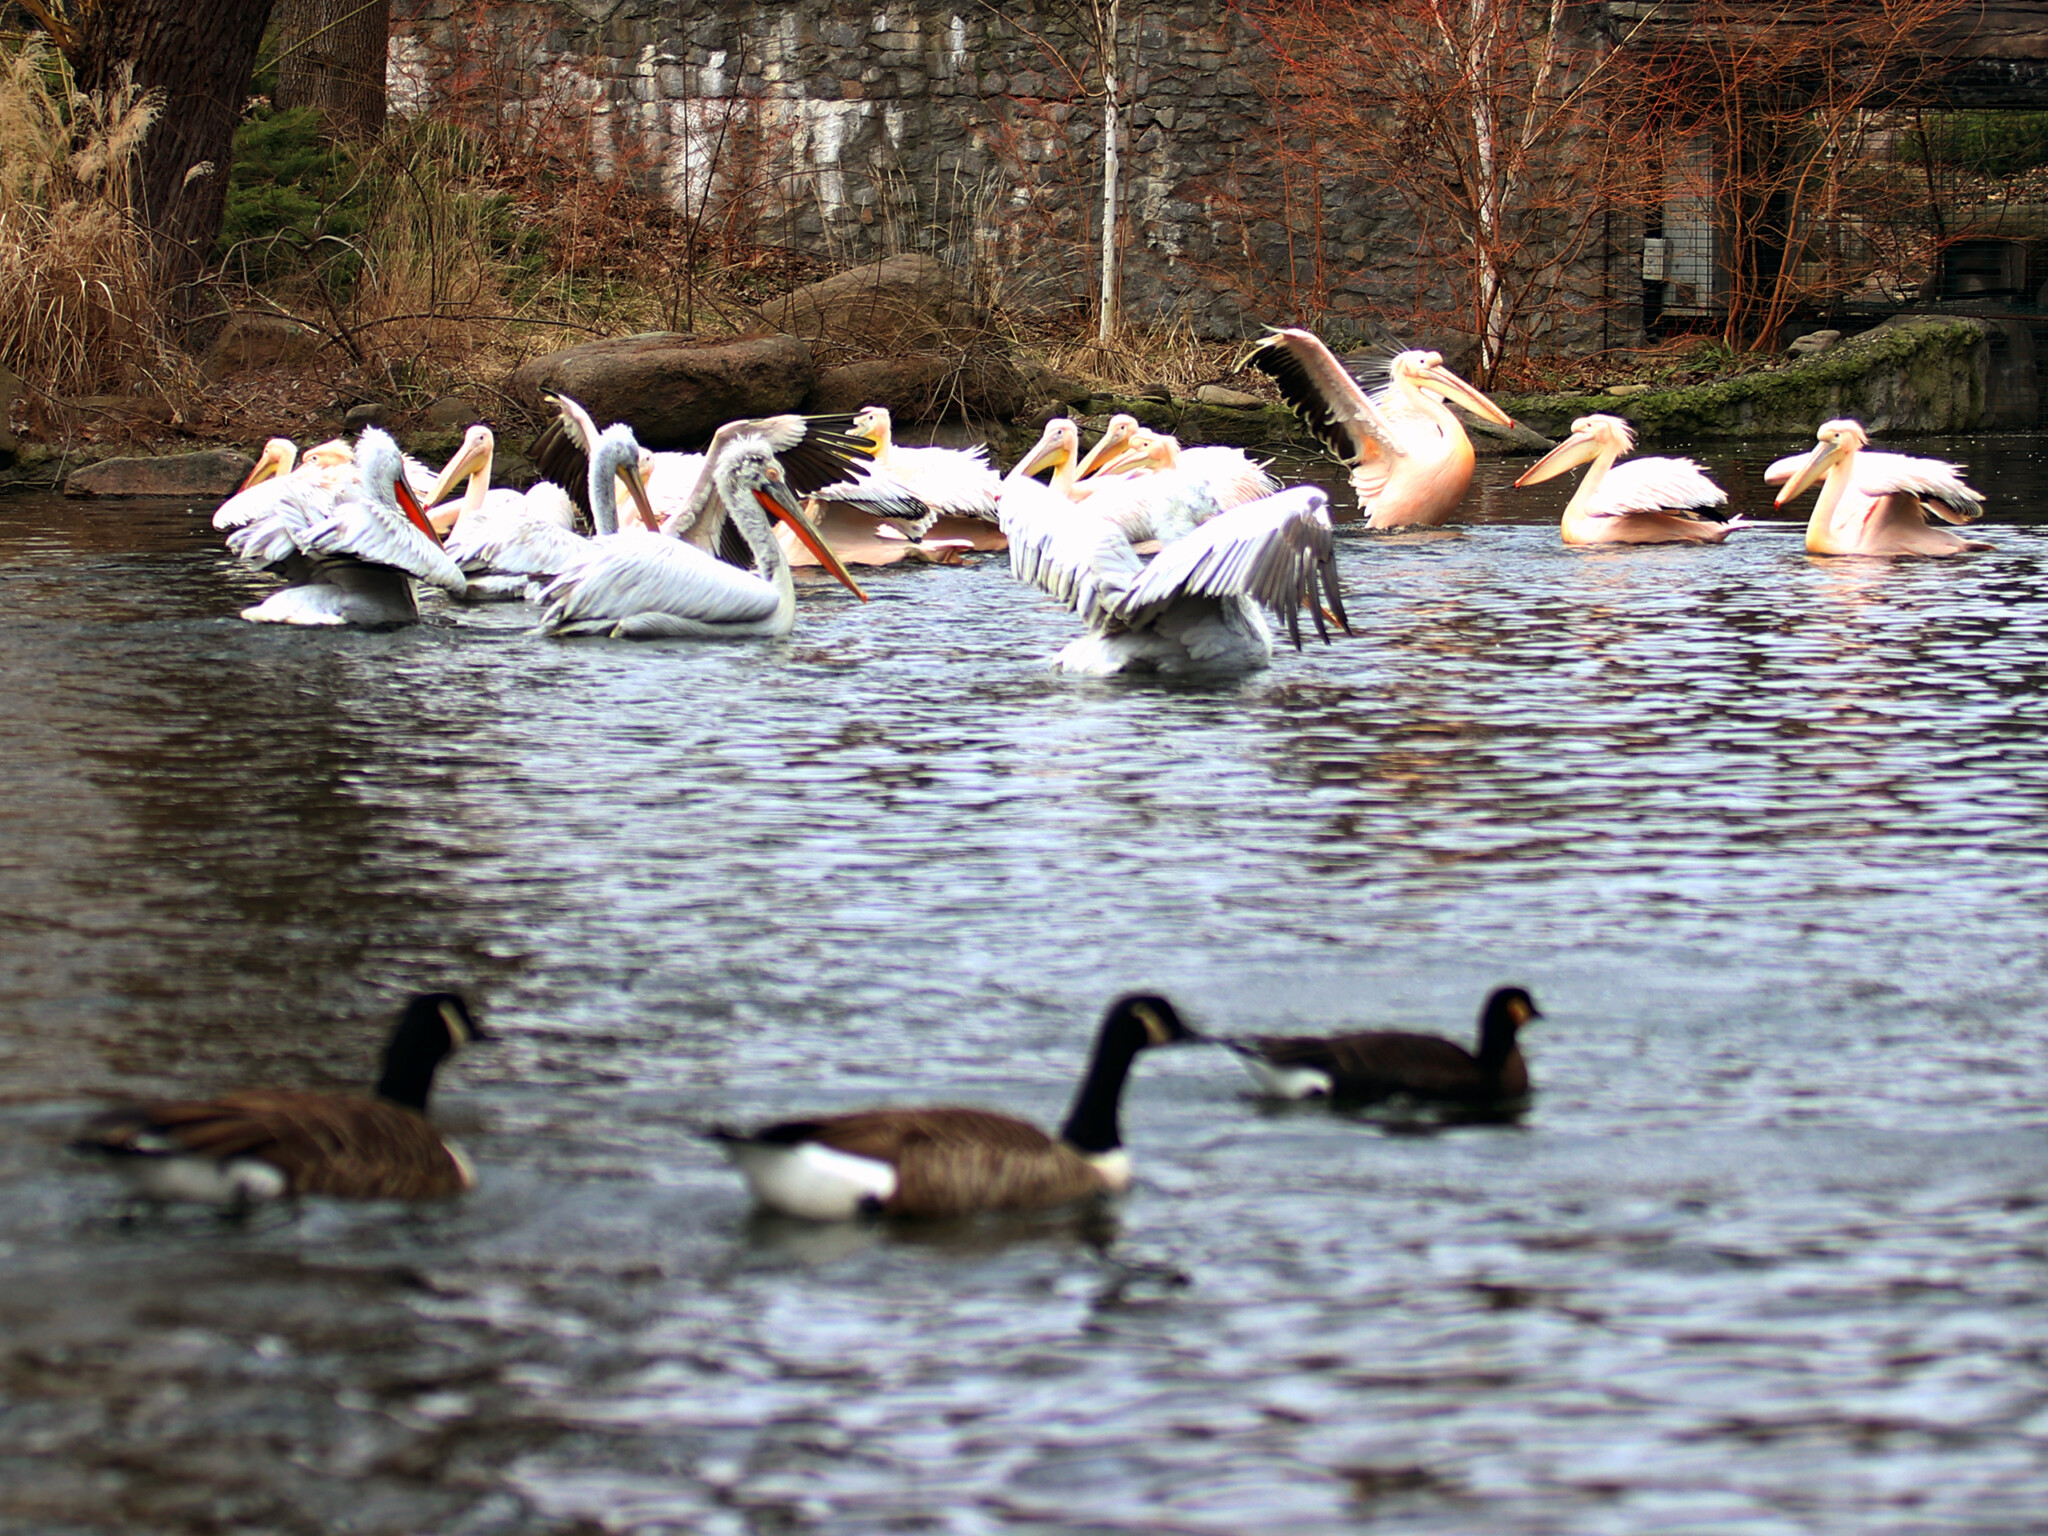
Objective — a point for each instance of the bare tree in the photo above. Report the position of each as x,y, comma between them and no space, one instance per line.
331,57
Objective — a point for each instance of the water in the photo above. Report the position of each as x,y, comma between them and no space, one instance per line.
1764,834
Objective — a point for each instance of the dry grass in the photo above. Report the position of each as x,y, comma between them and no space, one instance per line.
79,312
1168,355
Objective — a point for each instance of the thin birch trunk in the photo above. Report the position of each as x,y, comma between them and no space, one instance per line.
1112,159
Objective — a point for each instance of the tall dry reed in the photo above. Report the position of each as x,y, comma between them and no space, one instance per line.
80,313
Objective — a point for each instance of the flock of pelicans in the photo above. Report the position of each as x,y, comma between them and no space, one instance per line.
1172,558
929,1161
698,553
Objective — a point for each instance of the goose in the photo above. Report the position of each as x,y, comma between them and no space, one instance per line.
1410,459
348,554
1878,503
279,1143
943,1160
1385,1064
1642,501
650,586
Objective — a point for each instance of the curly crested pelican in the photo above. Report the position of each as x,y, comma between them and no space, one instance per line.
941,1160
1643,501
1410,459
1198,607
275,1143
1878,503
653,586
1385,1064
348,553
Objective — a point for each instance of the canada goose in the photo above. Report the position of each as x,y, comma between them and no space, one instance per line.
270,1143
942,1160
1383,1064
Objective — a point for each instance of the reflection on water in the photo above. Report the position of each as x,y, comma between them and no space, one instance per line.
1762,832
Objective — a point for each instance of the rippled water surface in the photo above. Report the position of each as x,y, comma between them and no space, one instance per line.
1764,834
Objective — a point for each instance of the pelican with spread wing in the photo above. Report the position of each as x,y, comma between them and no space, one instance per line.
349,553
1410,459
1878,503
1641,501
645,586
1199,606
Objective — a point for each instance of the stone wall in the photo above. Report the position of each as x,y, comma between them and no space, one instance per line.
858,130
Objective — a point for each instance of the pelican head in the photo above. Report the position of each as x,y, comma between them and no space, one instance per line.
277,458
1144,450
615,456
1058,445
473,457
1835,441
331,454
1120,430
381,464
749,471
872,422
1425,373
1591,437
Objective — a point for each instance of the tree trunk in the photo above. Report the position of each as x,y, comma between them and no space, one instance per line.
199,58
331,57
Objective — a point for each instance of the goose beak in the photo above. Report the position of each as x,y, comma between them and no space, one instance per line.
1575,450
1451,387
1823,458
777,502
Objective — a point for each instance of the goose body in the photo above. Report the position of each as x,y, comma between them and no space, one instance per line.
275,1143
1411,462
1878,503
945,1160
1385,1064
1640,501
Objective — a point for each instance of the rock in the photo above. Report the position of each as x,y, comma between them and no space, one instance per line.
357,417
1627,391
1044,383
1813,343
259,341
905,304
213,474
674,391
1236,399
450,411
980,381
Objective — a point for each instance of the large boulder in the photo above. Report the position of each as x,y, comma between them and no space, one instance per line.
258,341
885,309
673,390
212,475
924,386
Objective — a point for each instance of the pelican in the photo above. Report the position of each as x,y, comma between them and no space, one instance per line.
1644,501
348,553
1197,608
281,471
1074,477
929,504
502,538
652,586
1410,458
1230,473
1878,503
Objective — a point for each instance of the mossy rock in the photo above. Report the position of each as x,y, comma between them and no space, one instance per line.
1924,373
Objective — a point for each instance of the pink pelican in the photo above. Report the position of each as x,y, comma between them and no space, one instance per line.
1644,501
1878,503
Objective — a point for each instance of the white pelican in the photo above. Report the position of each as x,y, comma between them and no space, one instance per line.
1410,458
502,538
280,471
1878,503
1198,606
1231,473
929,504
348,554
651,586
1644,501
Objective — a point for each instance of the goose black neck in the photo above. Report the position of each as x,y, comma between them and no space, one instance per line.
1092,1122
416,1049
1498,1029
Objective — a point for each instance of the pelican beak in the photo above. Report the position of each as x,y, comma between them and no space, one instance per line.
472,456
1823,458
409,505
1108,450
268,466
1575,450
1451,387
1052,450
636,488
776,501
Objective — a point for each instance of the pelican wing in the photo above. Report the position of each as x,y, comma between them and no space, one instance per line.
1655,485
1329,401
1894,474
632,573
514,546
1275,551
1067,551
279,530
363,530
